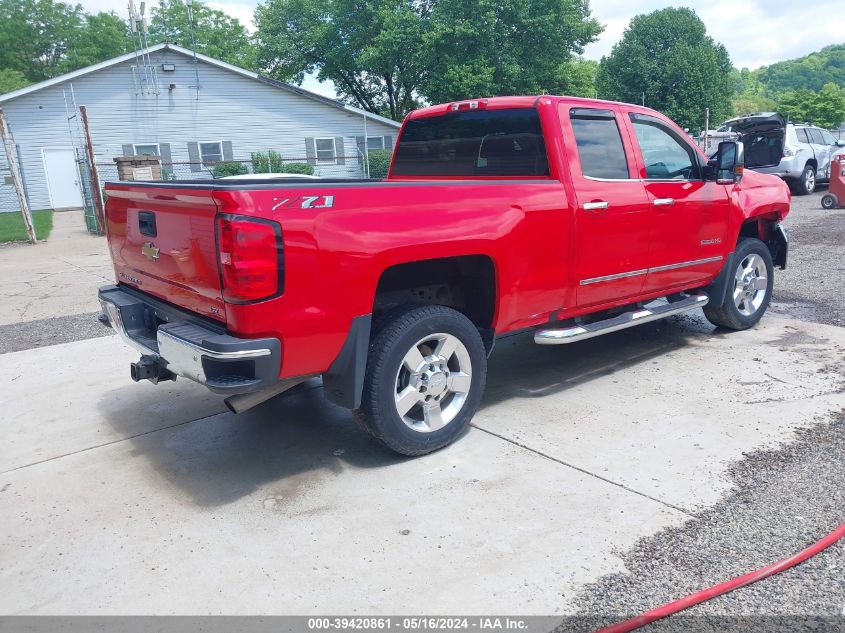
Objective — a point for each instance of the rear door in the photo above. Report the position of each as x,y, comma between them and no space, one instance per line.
612,218
690,214
822,150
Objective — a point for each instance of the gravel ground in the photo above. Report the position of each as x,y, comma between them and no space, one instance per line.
783,501
19,336
812,287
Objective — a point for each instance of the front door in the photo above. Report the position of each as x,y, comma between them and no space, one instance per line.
62,178
612,218
688,237
822,150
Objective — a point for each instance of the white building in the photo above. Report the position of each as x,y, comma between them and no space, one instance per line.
191,110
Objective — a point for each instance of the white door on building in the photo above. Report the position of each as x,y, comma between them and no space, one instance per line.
62,177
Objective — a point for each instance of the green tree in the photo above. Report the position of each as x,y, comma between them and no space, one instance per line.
11,80
825,108
495,47
390,56
35,36
750,93
667,59
100,37
372,51
215,33
830,106
43,38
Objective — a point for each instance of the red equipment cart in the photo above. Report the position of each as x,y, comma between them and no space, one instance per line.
835,196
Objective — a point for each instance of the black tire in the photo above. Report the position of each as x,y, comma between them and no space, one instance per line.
404,329
806,184
729,314
829,201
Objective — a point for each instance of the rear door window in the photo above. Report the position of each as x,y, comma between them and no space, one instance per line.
816,136
599,144
507,142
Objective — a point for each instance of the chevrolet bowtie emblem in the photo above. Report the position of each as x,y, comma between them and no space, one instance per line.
149,251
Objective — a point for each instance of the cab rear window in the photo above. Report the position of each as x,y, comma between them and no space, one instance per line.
506,142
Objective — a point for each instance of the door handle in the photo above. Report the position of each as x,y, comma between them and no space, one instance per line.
595,206
663,202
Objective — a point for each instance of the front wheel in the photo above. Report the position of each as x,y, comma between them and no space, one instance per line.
749,287
425,377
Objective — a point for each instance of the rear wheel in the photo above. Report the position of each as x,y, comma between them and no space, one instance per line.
424,381
806,184
749,287
829,201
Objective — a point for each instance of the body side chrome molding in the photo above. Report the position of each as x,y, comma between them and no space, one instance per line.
655,269
596,280
694,262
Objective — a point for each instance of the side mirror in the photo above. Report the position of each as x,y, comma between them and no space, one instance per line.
840,143
729,162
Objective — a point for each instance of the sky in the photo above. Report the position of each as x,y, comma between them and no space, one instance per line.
755,32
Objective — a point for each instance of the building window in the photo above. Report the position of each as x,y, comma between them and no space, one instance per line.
147,148
211,153
374,143
325,151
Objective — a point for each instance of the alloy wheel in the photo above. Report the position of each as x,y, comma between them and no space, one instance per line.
433,382
750,283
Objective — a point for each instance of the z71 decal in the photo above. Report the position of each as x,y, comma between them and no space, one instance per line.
305,202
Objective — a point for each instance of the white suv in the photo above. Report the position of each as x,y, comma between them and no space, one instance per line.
798,153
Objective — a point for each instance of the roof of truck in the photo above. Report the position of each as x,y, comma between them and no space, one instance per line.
525,101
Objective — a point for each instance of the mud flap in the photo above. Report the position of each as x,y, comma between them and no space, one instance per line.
717,289
344,381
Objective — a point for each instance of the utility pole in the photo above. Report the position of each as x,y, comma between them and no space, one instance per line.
706,129
12,156
93,175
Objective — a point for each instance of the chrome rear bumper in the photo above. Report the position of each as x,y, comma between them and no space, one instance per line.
190,347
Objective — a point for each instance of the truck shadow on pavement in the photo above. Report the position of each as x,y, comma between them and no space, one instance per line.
299,439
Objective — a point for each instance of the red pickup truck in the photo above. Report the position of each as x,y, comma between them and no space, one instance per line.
569,217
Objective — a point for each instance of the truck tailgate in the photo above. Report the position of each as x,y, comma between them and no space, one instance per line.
162,241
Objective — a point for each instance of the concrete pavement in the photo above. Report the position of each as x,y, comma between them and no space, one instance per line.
57,277
130,498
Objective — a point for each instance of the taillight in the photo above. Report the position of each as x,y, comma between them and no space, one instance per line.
789,151
251,258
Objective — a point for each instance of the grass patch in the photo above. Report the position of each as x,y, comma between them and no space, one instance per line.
12,228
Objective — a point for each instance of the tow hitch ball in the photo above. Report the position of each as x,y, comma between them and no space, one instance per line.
149,368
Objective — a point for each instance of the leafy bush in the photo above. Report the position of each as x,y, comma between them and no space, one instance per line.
298,168
228,169
267,162
379,163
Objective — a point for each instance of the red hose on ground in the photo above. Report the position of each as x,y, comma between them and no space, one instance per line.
717,590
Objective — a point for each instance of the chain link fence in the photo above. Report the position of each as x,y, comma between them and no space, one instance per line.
340,167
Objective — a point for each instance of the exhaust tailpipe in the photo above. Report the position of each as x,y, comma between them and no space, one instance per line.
245,401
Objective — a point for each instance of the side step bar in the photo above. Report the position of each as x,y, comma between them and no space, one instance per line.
582,331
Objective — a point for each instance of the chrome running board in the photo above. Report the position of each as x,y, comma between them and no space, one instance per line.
581,331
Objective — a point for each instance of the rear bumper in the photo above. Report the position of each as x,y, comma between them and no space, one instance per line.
190,346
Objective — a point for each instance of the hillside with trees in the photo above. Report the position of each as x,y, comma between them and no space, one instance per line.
811,72
810,88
